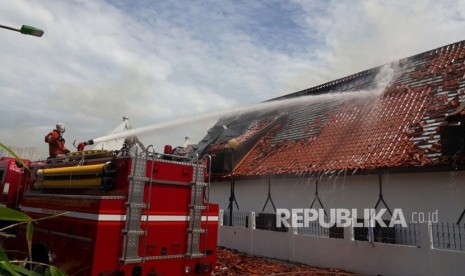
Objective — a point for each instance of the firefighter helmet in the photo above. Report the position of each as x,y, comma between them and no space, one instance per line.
61,128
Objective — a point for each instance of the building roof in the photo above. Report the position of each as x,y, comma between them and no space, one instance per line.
390,116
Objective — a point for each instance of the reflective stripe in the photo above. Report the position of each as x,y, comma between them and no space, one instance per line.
109,217
164,218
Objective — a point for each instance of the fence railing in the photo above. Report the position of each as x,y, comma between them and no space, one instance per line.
239,218
313,229
267,221
409,235
396,234
442,235
448,235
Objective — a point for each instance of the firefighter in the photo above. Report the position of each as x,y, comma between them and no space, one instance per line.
56,142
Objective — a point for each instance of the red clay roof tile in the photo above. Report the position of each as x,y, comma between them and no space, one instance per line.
399,127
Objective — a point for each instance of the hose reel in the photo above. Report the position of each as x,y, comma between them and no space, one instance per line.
88,176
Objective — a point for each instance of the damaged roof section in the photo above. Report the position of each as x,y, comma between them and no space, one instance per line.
362,122
242,136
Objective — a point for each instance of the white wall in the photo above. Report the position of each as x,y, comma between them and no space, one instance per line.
355,256
412,192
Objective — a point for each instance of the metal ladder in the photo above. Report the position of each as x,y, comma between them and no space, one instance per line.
134,206
195,213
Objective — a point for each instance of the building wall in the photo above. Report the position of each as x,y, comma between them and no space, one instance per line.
346,254
427,192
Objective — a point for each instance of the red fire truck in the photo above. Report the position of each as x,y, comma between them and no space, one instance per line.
117,212
12,180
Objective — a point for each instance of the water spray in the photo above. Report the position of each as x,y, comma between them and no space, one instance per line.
382,79
262,107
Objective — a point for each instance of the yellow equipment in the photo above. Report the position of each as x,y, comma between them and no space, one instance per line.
87,176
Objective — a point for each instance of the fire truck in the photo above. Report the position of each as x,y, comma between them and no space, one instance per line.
120,212
12,180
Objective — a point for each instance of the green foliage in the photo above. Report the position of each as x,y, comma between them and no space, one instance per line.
13,215
18,159
29,231
54,271
6,265
15,268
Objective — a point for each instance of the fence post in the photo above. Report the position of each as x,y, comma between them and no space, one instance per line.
220,219
293,229
252,222
251,229
426,235
349,231
430,235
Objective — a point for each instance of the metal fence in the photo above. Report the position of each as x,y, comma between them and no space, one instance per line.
263,221
409,235
267,221
239,218
448,235
397,234
445,235
313,229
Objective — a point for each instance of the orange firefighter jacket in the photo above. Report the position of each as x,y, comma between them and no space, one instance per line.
56,144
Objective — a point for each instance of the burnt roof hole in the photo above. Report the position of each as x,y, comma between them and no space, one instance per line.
452,133
414,129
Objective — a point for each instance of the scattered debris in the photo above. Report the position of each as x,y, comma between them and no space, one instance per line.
232,262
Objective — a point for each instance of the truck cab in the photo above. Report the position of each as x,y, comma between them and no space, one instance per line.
12,176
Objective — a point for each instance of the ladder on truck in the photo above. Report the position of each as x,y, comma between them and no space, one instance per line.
196,207
134,207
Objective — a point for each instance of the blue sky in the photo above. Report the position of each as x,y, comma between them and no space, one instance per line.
155,61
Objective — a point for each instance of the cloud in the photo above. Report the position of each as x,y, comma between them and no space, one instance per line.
357,35
158,60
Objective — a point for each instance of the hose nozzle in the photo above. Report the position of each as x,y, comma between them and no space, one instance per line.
82,145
